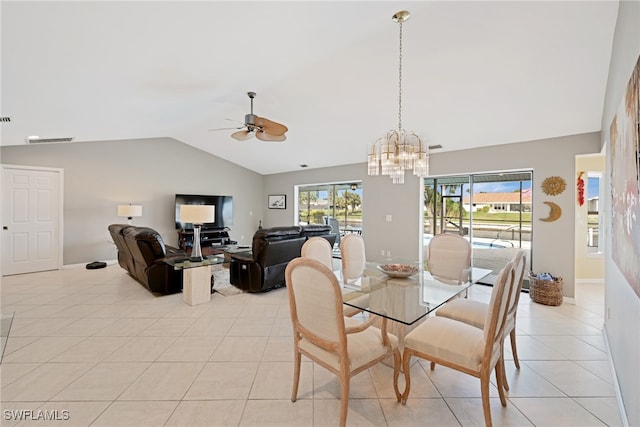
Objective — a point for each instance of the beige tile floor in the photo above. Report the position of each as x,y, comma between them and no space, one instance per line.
97,348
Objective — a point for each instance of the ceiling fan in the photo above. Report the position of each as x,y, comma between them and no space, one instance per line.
263,129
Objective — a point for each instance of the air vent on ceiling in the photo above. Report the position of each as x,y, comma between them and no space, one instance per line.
5,119
36,140
435,147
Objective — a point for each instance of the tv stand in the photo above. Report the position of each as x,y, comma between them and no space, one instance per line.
209,237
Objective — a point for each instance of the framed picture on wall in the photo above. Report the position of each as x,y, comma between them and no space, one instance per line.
277,201
625,182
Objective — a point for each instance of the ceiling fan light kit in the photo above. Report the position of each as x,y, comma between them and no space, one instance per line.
264,129
399,149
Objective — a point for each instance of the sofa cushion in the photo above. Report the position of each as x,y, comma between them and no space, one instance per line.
264,235
278,232
316,229
124,256
320,230
145,244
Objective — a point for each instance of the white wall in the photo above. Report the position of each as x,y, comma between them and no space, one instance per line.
379,198
621,302
553,245
101,175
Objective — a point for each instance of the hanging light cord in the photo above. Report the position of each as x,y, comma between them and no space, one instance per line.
400,83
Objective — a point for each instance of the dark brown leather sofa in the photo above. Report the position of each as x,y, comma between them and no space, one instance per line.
272,249
142,253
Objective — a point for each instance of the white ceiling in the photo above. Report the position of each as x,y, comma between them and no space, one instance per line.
475,73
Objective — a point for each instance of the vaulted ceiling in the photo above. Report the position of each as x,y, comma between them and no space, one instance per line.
475,73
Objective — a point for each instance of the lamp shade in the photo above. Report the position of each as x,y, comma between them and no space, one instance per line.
129,211
197,214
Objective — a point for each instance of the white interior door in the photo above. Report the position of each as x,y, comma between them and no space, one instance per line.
31,219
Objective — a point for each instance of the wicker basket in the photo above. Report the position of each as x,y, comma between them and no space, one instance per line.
547,292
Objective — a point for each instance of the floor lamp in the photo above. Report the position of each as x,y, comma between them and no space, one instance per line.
197,215
129,211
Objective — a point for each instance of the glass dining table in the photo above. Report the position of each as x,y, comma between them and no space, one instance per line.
406,295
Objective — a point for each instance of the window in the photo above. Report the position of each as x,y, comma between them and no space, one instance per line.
592,201
343,201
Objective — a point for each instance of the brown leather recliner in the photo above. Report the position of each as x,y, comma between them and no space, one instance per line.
272,249
124,256
142,252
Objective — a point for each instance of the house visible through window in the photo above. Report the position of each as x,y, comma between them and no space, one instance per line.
492,210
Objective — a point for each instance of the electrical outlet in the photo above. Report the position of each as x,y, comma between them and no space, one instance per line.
382,252
388,218
388,253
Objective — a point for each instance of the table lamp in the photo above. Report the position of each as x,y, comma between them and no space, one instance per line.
129,211
197,215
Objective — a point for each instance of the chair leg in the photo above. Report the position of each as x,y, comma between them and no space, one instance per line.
501,381
396,373
296,376
514,351
503,371
344,399
486,406
406,358
433,365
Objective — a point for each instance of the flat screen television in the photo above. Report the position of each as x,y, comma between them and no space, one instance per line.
223,204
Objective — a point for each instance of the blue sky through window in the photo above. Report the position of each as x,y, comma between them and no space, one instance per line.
500,187
593,187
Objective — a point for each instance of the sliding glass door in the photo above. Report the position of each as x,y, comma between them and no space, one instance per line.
336,204
492,210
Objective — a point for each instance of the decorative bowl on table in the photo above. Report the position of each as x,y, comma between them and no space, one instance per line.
398,270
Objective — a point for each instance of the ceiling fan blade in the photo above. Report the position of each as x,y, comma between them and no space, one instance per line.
242,135
263,136
271,127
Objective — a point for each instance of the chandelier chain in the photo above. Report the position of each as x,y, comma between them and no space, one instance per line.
400,82
399,150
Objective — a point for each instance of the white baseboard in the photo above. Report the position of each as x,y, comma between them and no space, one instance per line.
616,385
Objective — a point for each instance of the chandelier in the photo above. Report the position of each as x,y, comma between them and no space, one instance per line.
400,149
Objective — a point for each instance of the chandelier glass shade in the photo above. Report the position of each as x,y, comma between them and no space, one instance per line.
400,149
396,152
